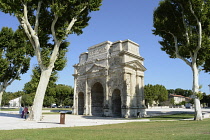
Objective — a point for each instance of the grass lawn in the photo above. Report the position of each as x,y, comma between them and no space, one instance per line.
154,130
9,109
173,116
56,108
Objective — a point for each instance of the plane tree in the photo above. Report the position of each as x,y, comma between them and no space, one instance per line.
184,28
47,23
15,56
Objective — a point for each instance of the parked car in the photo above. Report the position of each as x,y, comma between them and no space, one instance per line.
54,106
66,106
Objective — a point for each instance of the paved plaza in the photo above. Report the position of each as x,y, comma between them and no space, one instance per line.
10,120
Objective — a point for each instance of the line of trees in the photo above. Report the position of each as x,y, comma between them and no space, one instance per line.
59,94
157,93
179,91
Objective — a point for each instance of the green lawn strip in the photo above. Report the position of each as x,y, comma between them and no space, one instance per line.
158,130
46,113
9,109
56,108
172,116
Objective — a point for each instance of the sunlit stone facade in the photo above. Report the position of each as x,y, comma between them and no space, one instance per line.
109,81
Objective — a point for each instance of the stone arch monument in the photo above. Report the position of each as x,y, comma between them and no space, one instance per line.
109,80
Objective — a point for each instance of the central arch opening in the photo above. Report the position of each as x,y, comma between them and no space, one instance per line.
116,103
97,97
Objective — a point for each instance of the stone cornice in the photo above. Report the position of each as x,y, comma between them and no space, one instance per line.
130,54
75,75
135,65
105,42
128,40
76,65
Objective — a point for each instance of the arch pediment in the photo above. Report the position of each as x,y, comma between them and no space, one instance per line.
95,68
135,64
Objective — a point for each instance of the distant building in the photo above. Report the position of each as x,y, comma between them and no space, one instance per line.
179,98
179,101
15,102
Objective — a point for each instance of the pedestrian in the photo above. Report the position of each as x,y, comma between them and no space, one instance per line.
25,111
20,111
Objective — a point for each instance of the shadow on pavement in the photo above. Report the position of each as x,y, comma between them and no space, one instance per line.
48,122
102,118
10,115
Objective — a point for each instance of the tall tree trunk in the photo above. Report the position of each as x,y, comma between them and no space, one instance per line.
36,111
1,93
198,113
2,89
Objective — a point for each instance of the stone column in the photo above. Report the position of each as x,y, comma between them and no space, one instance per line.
138,91
90,101
106,109
128,94
75,105
106,88
133,90
86,98
142,92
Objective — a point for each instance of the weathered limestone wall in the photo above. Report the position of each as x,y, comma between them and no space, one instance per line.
109,80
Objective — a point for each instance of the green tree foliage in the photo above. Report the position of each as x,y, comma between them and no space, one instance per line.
148,94
174,18
206,100
48,101
206,66
7,96
64,95
172,102
171,91
27,99
15,56
200,95
32,85
59,94
179,91
157,93
5,99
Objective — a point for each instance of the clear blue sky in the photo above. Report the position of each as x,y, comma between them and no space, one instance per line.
120,20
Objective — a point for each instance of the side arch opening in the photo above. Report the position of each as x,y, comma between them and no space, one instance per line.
81,103
116,103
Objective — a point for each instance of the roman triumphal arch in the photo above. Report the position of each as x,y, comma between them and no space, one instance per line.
109,81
